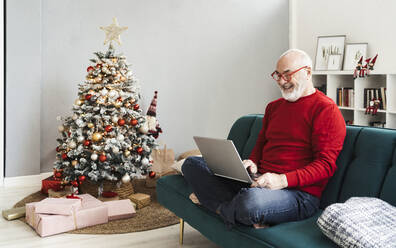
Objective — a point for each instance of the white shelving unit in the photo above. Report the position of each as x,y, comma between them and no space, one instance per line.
343,79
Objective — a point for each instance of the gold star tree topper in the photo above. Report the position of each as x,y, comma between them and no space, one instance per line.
113,32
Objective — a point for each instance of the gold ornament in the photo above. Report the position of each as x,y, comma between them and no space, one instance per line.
114,60
113,32
130,148
123,79
78,102
90,125
127,104
132,101
127,153
97,137
118,104
91,92
74,162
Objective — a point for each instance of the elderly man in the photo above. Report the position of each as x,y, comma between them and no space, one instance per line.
295,155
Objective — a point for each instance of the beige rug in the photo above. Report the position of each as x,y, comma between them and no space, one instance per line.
148,218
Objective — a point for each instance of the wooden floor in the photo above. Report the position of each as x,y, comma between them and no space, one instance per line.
17,234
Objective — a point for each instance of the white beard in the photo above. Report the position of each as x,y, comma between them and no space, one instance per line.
295,94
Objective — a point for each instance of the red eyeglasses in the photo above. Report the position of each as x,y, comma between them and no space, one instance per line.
287,77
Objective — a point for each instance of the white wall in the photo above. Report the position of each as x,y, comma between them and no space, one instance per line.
2,95
209,60
360,20
23,84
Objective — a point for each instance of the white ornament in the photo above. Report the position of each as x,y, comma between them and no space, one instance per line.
115,149
113,94
61,128
80,138
144,128
145,161
79,122
126,178
72,144
104,92
75,117
120,137
94,156
115,119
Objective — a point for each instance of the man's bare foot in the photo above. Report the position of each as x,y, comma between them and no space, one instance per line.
260,226
194,199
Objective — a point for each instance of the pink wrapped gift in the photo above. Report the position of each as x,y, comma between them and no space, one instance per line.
120,209
92,212
61,206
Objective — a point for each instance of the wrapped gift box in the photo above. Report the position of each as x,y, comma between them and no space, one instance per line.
121,209
60,206
50,183
141,200
92,212
14,213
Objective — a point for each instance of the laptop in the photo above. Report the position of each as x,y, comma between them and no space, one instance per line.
223,159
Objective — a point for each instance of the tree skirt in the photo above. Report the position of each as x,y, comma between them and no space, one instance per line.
148,218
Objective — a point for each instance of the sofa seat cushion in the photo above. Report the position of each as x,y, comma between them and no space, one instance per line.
173,192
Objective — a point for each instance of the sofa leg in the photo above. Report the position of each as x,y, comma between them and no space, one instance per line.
181,231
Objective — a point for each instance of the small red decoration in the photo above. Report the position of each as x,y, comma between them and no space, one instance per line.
64,156
88,96
68,133
90,68
139,150
152,174
102,158
98,66
108,128
109,194
134,122
72,196
74,183
119,99
87,143
58,174
57,149
121,122
136,107
81,178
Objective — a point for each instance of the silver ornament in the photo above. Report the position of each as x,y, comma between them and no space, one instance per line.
80,138
115,149
145,161
120,137
72,144
126,178
114,119
75,117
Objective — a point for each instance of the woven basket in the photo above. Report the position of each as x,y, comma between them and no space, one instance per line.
91,187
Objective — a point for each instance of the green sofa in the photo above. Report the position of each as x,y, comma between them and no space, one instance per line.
366,167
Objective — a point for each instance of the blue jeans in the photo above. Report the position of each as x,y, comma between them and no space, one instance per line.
237,202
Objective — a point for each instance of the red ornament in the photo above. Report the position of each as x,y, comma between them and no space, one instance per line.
134,122
102,158
57,149
121,122
64,156
87,143
74,183
87,97
108,128
69,133
119,99
152,174
139,150
136,107
90,68
81,178
98,66
58,174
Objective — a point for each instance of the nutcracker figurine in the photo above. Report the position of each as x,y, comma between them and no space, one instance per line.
363,71
373,107
371,65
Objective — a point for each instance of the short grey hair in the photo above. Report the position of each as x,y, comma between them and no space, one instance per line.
306,59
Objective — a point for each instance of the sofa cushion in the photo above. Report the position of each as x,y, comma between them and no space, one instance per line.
173,192
360,222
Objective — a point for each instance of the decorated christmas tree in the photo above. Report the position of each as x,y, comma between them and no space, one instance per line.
107,138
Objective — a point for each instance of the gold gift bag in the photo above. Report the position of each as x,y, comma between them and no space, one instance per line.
162,160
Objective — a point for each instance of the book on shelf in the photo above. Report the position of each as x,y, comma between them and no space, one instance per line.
345,97
371,94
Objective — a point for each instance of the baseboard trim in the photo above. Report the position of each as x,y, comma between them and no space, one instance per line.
25,181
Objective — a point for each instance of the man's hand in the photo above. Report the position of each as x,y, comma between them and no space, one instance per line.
271,181
250,166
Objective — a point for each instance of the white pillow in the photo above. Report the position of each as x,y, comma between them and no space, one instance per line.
177,166
360,222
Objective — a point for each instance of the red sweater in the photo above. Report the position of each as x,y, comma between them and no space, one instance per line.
302,140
